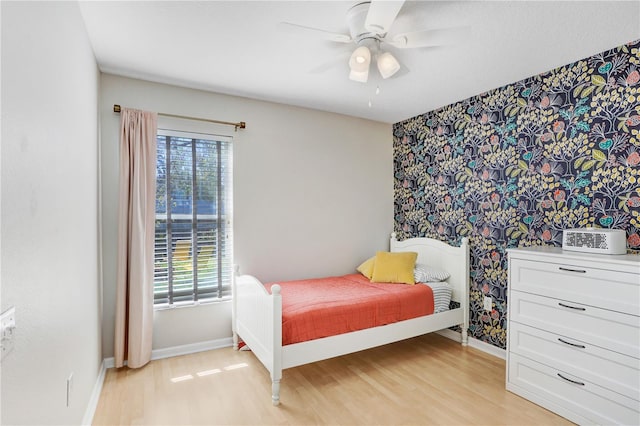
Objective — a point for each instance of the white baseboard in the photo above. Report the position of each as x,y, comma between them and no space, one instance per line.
488,348
190,348
110,363
95,396
450,334
475,343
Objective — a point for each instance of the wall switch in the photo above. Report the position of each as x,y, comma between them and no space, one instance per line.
7,330
487,303
69,389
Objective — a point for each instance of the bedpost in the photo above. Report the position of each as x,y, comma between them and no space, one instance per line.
275,392
465,298
234,307
276,362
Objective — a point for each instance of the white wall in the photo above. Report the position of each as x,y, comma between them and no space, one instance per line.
313,194
50,87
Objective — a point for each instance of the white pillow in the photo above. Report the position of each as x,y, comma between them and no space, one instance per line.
424,274
441,295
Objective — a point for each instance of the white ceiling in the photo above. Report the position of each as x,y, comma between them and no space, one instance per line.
235,47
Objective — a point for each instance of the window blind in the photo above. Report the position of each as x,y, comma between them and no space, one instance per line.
193,258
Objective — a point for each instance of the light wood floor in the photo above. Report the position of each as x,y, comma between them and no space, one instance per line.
425,380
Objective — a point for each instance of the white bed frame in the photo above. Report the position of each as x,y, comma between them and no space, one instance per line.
257,315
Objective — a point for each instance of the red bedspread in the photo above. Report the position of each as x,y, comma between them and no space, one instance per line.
324,307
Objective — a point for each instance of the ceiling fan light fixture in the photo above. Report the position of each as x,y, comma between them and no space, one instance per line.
360,59
387,65
359,76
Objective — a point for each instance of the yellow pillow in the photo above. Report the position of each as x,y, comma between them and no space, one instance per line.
394,267
366,267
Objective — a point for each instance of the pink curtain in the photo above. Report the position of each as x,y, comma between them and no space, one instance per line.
136,223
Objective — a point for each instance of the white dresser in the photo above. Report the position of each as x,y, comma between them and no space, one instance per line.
573,342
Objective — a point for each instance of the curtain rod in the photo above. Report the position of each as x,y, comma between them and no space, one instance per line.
241,124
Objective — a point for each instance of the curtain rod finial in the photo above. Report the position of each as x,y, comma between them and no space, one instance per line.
116,108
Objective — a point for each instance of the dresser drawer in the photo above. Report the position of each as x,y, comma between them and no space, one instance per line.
608,289
607,329
572,396
611,370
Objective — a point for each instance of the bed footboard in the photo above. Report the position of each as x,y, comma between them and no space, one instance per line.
257,320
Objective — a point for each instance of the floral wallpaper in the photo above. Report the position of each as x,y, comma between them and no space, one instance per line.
515,166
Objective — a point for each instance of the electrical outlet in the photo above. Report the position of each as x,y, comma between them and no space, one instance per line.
7,330
69,389
487,303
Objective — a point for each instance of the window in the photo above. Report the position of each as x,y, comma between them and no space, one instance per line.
193,233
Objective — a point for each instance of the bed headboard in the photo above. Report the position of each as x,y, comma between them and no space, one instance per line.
454,260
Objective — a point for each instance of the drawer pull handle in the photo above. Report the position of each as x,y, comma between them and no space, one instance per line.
572,344
580,271
577,308
569,380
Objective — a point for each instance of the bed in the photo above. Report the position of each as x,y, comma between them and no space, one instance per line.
257,315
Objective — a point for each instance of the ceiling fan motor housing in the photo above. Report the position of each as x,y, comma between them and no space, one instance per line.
356,17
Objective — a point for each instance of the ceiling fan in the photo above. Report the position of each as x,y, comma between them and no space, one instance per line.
369,23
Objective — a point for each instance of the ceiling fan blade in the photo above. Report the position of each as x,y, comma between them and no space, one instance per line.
381,15
429,38
325,35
